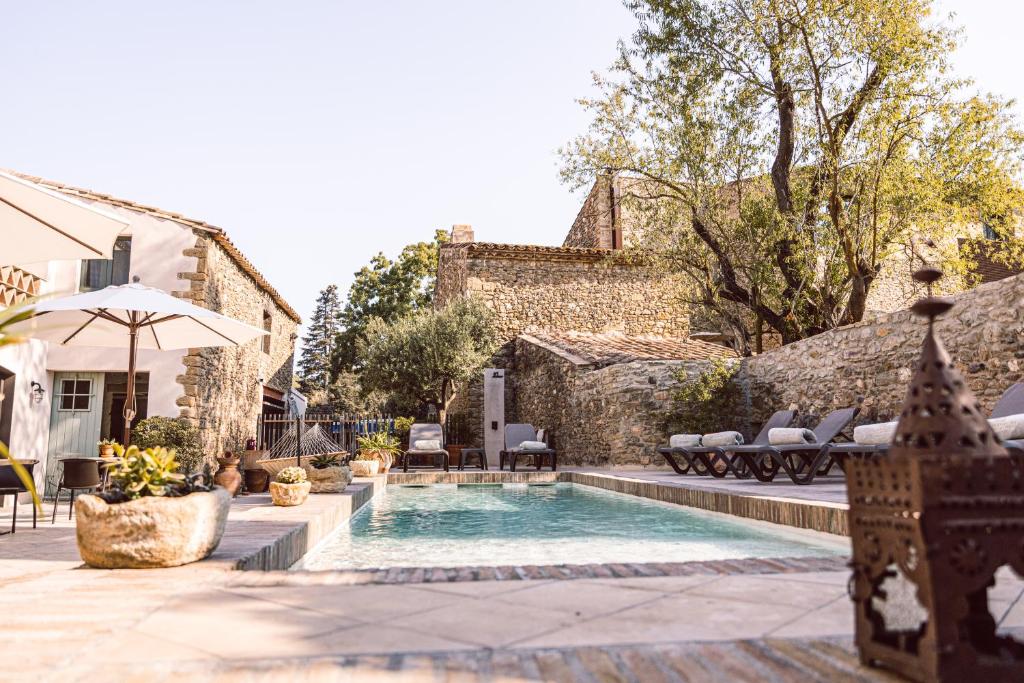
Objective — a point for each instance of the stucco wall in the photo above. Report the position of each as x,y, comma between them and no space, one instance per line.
29,420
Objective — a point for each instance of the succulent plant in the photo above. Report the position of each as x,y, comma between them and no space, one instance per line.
106,442
151,472
291,475
325,460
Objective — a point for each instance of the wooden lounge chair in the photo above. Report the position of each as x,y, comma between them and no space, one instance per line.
715,460
426,432
802,462
516,434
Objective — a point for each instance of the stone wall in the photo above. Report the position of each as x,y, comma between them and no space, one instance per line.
984,334
592,228
603,416
222,393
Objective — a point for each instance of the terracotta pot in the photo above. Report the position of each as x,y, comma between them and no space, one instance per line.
454,451
328,479
228,475
107,450
287,495
153,531
364,468
256,480
386,460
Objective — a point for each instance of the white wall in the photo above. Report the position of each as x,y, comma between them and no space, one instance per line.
29,419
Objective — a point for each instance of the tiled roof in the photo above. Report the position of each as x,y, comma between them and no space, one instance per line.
531,251
986,267
217,234
609,348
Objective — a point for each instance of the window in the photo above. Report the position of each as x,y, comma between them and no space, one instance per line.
75,395
99,273
989,232
268,325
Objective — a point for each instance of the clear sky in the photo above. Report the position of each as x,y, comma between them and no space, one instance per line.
318,133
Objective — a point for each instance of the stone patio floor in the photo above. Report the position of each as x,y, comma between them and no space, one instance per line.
66,622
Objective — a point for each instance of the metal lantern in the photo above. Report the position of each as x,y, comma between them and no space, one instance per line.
931,522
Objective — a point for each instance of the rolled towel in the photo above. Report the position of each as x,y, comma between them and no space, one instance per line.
426,445
879,434
1009,427
722,439
785,436
684,440
532,446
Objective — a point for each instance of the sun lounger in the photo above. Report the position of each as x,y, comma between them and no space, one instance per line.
715,460
802,462
426,433
522,440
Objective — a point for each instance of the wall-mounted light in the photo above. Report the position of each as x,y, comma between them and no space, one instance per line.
38,392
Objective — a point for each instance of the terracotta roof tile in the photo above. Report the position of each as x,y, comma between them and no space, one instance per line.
609,348
216,233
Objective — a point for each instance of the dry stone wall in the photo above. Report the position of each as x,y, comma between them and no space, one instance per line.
222,393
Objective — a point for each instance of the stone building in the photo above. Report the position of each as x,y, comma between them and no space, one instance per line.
222,390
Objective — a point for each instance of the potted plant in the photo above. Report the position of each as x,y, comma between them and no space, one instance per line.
327,473
365,465
106,448
152,515
379,446
290,487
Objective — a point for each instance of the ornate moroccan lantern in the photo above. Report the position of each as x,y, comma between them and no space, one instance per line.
931,522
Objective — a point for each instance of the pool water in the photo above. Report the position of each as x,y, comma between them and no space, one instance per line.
517,524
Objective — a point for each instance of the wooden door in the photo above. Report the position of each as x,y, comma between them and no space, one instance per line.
75,420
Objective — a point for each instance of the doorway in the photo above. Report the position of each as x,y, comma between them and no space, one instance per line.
75,417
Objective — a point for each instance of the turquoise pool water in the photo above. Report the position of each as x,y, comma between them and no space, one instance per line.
518,524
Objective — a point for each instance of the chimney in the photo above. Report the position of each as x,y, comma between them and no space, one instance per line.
462,233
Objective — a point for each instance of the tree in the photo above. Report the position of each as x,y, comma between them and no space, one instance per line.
386,290
781,151
320,341
421,357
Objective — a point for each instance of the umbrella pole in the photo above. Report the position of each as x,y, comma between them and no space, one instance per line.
129,397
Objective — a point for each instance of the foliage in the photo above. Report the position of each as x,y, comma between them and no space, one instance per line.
325,460
403,425
291,475
386,290
319,343
177,434
107,442
709,402
345,395
150,472
421,357
781,152
376,442
9,317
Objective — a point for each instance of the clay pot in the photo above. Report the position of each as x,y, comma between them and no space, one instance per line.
154,531
287,495
256,480
364,468
328,479
107,450
385,459
228,475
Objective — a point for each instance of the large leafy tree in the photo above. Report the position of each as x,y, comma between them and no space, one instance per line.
780,151
386,290
320,341
419,359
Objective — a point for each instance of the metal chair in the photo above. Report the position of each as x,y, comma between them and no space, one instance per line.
77,474
10,484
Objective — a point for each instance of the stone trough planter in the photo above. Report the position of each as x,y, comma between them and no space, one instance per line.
150,532
365,468
328,479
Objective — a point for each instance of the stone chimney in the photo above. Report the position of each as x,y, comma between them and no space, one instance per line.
462,233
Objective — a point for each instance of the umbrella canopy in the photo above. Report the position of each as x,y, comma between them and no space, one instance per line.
133,316
38,224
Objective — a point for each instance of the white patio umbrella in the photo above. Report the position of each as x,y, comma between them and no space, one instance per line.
137,317
39,224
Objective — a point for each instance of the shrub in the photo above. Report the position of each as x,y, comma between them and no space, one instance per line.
710,402
403,425
177,434
291,475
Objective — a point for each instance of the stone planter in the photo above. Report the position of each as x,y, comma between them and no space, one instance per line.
328,479
287,495
149,532
228,475
364,468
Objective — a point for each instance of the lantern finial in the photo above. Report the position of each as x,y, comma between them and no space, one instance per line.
940,413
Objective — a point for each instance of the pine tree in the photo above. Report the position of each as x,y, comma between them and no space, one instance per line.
320,340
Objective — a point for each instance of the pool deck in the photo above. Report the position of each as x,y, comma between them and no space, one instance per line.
745,620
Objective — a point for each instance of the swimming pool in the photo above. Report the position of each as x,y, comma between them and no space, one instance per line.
450,525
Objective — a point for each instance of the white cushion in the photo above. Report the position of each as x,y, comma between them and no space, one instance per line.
878,434
784,436
684,440
1009,427
426,445
533,446
722,439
